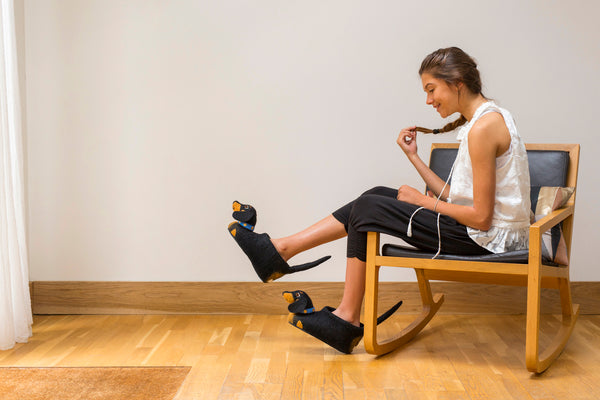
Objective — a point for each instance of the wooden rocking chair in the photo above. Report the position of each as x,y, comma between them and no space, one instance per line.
550,165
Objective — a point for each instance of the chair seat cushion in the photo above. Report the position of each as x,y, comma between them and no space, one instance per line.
516,257
394,250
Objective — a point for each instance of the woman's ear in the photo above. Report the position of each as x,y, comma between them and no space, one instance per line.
459,87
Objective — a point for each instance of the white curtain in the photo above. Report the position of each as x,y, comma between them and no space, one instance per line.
15,304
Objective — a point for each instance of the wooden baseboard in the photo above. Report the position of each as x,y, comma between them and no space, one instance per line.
259,298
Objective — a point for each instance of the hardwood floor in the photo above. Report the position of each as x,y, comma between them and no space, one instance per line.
262,357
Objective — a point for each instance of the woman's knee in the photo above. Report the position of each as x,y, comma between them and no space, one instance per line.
362,208
380,191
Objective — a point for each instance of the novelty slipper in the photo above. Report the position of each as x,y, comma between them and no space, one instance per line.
263,255
333,330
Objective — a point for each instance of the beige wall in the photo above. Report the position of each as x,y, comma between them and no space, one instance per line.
145,119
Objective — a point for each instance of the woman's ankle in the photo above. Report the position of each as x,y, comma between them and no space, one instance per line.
281,248
348,317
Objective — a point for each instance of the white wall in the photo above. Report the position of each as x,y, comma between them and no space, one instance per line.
146,119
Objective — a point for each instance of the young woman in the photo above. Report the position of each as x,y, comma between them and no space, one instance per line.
485,209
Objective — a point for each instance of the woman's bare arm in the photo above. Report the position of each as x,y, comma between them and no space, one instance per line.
488,139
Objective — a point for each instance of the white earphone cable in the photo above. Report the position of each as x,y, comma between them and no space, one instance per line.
409,228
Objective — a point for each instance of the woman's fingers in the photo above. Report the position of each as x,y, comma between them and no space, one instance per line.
408,136
407,140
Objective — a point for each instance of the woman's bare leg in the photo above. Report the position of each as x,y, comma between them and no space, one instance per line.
354,291
324,231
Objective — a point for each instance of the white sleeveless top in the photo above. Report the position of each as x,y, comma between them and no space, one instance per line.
510,223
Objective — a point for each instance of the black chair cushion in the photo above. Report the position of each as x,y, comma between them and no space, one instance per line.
546,167
394,250
441,161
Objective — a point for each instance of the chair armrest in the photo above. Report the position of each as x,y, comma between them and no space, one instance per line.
552,219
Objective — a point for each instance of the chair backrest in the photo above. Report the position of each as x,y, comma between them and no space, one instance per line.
549,164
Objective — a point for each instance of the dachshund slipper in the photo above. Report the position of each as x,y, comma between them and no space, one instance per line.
333,330
299,301
329,328
263,255
245,214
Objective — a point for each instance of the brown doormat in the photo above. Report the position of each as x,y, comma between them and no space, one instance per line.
114,383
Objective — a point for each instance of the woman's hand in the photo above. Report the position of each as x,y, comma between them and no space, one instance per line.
407,140
409,194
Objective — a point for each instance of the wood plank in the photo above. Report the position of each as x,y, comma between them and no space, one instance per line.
260,298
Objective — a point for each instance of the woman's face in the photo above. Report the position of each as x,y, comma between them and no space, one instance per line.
443,97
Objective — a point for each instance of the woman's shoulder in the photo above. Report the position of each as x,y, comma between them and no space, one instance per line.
490,125
490,131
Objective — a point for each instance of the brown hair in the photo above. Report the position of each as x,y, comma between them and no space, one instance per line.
453,66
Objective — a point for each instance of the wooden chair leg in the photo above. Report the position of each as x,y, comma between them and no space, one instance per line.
535,361
431,304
